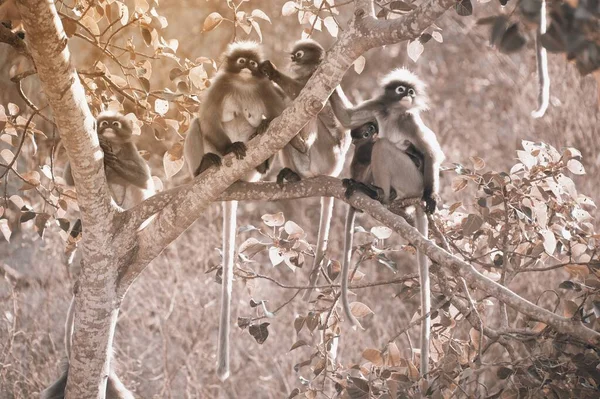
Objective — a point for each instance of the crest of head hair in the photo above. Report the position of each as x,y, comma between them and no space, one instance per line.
307,43
403,75
245,46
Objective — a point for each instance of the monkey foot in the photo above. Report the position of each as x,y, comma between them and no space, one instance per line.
264,125
286,174
238,148
209,159
430,204
265,166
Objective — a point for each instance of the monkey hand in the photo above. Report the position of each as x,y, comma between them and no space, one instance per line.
267,68
430,202
209,159
264,125
238,148
287,174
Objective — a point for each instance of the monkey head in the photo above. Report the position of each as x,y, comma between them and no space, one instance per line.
365,133
404,89
307,52
244,56
114,127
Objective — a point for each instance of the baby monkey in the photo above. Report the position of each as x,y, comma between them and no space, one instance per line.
385,172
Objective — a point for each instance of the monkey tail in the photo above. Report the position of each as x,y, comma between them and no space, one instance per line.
423,262
350,217
229,226
322,237
542,67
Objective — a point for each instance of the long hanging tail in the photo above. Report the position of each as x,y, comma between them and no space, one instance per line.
229,226
322,237
423,262
349,229
542,67
69,327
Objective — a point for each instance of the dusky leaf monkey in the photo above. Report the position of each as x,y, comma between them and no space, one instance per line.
129,180
238,105
392,169
397,111
325,140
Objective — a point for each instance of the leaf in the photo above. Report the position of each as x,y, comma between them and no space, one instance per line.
374,356
415,49
276,255
89,23
526,159
198,76
256,27
437,36
381,232
7,155
459,183
260,332
293,230
359,309
123,13
299,323
298,344
273,220
504,372
41,221
251,247
478,163
464,8
575,167
13,109
5,229
260,14
359,64
141,6
175,73
289,8
549,241
401,6
331,25
69,26
161,106
173,160
425,37
147,35
413,373
471,224
393,355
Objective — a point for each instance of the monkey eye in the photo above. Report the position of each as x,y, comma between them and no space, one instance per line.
411,92
371,129
117,124
241,61
103,123
400,89
253,64
299,54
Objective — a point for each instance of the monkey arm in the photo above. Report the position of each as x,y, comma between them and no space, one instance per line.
129,165
353,117
290,86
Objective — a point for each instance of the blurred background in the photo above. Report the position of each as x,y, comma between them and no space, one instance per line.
480,105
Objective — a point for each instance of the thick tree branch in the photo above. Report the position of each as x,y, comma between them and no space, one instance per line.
332,187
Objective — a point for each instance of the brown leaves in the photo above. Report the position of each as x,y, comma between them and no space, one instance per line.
213,20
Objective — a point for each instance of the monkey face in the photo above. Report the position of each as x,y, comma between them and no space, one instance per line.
366,132
402,93
307,53
114,128
242,61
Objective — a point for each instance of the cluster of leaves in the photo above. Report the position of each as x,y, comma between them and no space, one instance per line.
128,40
574,30
248,22
529,220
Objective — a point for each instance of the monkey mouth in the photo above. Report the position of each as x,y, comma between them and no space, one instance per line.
109,134
406,101
246,72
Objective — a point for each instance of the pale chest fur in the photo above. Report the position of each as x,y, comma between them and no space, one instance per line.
243,111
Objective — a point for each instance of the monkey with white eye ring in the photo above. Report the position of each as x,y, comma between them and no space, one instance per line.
319,148
239,104
383,171
397,111
129,180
